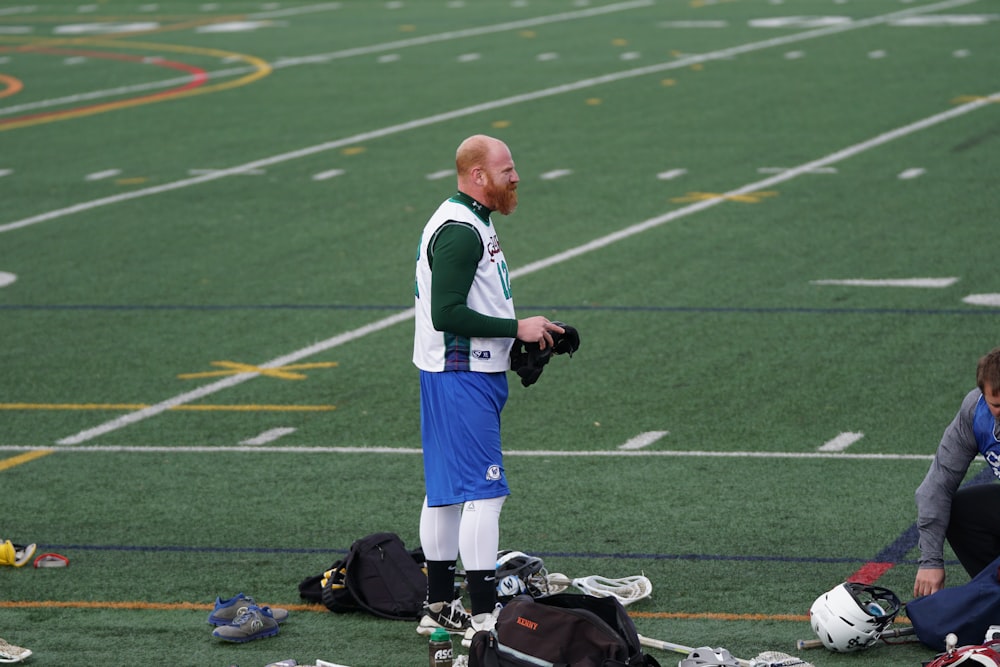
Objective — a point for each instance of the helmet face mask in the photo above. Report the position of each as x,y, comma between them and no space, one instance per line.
707,656
852,616
520,574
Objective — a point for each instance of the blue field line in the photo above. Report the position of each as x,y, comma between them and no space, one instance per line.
900,547
893,553
574,308
910,537
708,557
69,548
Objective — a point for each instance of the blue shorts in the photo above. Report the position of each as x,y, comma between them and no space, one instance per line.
460,431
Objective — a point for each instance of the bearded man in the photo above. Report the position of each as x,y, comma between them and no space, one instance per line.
465,328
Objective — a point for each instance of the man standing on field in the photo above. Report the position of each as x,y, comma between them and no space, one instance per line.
465,328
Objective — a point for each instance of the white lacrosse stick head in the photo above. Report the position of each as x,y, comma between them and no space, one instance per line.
778,659
707,656
626,589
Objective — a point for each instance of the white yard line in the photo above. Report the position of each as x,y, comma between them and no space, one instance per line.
558,258
642,440
416,451
320,58
233,380
269,435
841,442
921,283
686,61
602,242
296,11
764,184
467,33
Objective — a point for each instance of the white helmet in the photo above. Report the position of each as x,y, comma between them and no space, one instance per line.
852,616
520,574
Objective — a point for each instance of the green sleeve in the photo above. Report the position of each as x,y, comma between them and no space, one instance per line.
456,253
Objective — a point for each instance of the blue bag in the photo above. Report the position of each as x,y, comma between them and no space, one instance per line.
967,610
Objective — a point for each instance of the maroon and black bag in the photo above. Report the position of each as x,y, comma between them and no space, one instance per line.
560,630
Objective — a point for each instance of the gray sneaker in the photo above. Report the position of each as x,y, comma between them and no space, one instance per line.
448,615
226,611
254,623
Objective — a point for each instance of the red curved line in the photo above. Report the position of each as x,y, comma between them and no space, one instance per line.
198,78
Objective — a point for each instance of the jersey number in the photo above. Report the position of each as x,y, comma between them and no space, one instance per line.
504,278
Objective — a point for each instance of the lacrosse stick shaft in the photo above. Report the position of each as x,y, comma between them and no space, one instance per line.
664,646
898,632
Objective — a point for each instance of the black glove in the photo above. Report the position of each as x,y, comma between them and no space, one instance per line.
528,360
567,342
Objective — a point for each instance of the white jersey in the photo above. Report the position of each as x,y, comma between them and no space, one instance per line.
489,295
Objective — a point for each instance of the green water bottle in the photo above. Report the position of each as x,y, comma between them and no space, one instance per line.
441,651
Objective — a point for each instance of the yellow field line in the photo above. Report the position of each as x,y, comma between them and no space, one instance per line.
280,372
24,458
141,406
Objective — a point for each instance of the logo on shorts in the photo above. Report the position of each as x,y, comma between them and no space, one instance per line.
493,473
481,354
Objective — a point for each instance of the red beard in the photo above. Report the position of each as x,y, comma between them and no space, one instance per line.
503,196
